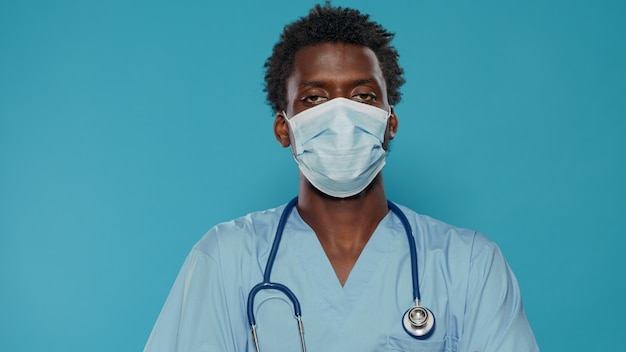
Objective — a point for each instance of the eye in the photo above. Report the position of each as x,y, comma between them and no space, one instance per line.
314,99
364,97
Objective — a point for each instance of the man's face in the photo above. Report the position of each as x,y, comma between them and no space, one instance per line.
333,70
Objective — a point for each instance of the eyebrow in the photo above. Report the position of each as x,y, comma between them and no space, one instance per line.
319,84
315,84
362,81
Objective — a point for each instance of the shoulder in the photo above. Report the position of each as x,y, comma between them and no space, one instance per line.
248,232
436,230
457,244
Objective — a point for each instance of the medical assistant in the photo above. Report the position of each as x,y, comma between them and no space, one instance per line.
463,278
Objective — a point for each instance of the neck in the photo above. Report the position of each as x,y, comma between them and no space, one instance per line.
343,225
319,209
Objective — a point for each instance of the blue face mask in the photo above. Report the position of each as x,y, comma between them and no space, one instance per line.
338,145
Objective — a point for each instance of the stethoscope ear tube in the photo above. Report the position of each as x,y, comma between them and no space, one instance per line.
275,286
267,284
287,292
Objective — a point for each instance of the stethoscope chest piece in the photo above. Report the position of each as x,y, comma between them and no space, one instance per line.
418,321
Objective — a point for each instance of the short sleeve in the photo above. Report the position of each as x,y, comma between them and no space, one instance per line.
195,316
494,318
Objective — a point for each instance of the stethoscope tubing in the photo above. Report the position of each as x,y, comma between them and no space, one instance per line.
279,235
412,250
267,284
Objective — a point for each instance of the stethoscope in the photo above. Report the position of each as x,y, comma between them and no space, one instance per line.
418,321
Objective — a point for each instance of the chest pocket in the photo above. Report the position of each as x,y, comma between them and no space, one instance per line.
408,344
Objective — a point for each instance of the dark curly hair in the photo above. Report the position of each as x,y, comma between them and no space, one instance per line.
327,24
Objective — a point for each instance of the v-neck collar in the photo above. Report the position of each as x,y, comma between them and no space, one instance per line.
342,299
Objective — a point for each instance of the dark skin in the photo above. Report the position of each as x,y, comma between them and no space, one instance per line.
323,72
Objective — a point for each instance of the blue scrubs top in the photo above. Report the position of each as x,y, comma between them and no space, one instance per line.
464,280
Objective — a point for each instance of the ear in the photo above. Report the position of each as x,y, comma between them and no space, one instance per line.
281,129
392,125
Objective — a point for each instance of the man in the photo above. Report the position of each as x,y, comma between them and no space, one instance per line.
345,258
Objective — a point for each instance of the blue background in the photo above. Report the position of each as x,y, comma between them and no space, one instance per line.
129,128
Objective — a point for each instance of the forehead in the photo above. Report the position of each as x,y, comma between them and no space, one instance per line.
334,62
